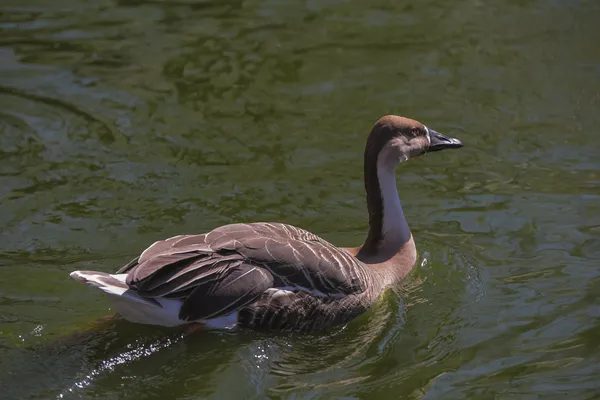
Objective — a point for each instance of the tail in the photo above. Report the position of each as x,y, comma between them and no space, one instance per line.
111,284
129,303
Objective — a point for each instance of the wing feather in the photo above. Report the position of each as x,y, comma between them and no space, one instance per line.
234,265
240,284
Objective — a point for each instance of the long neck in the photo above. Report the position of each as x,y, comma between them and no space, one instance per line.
388,229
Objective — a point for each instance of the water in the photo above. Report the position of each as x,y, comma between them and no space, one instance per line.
123,122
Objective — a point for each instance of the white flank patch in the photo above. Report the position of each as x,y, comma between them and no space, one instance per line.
312,292
165,315
226,322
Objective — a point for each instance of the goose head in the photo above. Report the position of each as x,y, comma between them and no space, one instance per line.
395,139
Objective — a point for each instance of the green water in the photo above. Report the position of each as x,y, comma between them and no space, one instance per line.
124,122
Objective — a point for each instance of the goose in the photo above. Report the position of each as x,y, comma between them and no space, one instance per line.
274,276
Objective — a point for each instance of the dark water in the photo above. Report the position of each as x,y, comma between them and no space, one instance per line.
124,122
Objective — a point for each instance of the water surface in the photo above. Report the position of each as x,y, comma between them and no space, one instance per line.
124,122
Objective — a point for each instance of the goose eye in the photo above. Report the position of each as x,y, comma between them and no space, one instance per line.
414,132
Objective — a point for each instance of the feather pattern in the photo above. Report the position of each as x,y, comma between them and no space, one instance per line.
275,275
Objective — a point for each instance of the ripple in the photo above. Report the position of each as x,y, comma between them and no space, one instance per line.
368,346
106,132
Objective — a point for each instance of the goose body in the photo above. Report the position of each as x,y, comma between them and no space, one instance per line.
275,276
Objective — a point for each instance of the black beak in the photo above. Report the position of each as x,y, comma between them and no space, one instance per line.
440,142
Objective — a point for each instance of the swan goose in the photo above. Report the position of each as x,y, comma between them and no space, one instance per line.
275,276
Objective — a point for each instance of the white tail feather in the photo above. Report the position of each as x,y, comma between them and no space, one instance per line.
128,303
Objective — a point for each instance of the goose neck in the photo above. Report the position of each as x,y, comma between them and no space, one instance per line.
388,229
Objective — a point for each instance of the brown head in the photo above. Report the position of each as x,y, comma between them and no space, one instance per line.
395,139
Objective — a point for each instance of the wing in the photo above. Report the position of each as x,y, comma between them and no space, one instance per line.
296,258
231,266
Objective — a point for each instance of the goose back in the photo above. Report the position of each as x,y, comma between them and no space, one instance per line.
275,274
